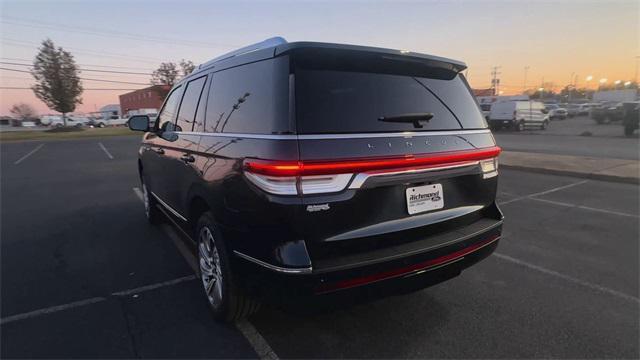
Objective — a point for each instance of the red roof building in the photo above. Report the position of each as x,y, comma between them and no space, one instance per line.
147,98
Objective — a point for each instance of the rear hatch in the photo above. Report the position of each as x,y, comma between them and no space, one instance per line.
390,149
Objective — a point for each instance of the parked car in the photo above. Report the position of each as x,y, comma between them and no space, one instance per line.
573,110
379,176
111,121
77,121
607,112
486,110
518,115
46,120
631,117
556,112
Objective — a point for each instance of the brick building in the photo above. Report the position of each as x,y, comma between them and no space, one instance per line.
147,98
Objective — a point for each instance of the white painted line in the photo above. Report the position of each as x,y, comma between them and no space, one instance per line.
28,154
568,278
105,151
94,300
257,342
611,212
49,310
544,192
154,286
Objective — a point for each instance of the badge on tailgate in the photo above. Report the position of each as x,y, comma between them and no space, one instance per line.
424,198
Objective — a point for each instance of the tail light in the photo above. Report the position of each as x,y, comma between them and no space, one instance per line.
314,177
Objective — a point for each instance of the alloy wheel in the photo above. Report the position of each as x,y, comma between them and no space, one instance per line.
210,268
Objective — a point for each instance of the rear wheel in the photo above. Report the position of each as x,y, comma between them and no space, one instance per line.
225,299
519,125
101,125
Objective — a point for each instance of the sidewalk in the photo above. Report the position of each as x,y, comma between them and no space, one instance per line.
617,170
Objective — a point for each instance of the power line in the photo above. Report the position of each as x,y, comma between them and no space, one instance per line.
90,89
83,69
108,33
87,79
94,65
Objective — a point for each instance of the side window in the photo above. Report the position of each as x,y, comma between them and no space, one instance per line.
189,106
251,99
168,113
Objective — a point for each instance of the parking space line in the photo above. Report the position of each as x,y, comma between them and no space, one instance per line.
258,343
75,304
586,208
544,192
568,278
105,151
28,154
255,339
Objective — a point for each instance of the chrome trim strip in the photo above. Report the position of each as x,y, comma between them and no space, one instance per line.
393,134
306,270
406,134
166,206
361,178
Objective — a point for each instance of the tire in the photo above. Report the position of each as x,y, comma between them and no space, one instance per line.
151,211
101,125
59,125
519,126
544,125
225,299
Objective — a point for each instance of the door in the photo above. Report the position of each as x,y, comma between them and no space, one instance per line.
180,156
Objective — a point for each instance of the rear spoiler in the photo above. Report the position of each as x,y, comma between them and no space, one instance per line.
400,55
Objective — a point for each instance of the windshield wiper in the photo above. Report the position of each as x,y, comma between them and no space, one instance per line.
415,118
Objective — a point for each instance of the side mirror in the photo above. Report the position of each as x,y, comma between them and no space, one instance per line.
139,123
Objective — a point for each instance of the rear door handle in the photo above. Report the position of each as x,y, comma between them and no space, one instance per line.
159,151
187,158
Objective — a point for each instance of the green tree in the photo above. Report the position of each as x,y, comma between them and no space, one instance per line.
57,79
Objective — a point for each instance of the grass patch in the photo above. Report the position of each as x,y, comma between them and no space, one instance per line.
66,133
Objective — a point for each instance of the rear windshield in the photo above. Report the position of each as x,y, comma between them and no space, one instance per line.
329,101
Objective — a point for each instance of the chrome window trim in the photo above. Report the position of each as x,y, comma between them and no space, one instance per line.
305,270
361,178
166,206
406,134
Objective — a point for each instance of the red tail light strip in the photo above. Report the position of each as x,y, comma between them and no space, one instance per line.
303,168
350,283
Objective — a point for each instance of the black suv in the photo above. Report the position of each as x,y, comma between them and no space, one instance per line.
308,170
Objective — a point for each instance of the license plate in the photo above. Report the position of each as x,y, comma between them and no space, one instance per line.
424,198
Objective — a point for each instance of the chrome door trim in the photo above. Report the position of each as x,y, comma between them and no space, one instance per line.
304,270
405,134
166,206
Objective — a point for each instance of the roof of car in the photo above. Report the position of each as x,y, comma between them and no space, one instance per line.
276,46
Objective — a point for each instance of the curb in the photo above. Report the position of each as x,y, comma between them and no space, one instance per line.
592,176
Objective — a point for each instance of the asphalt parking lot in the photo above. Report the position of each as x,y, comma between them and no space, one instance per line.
83,275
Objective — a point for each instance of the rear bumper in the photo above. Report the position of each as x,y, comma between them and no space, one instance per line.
406,272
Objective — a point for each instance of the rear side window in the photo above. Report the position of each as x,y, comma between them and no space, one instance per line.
330,101
189,106
250,99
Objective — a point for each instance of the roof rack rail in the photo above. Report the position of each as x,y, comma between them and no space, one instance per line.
271,42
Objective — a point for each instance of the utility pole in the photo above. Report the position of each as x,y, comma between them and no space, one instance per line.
524,84
495,81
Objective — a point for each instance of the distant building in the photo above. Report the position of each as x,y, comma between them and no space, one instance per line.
482,92
147,98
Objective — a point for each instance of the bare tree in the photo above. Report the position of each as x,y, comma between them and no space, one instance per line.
187,67
166,74
23,111
57,79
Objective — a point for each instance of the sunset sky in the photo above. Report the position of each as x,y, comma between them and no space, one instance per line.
555,39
